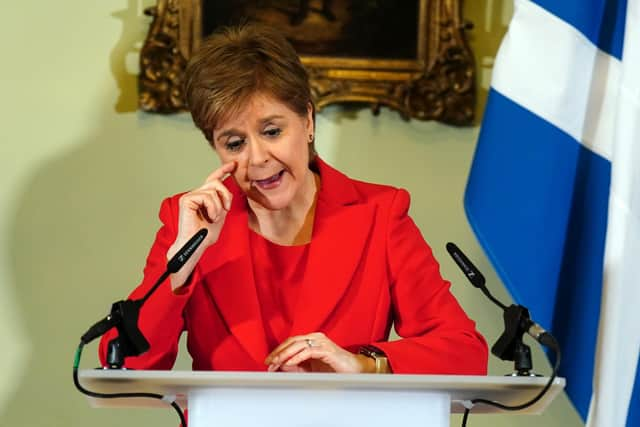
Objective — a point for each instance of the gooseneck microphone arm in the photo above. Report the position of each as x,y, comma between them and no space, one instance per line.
509,346
471,272
130,340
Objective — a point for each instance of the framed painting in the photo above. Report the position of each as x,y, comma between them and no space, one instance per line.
409,55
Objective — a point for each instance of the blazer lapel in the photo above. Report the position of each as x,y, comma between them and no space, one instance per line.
230,280
340,234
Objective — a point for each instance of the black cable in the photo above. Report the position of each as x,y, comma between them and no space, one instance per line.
552,344
83,390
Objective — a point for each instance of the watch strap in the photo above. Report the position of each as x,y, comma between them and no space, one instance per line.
379,357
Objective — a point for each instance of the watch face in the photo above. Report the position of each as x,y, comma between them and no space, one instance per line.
371,351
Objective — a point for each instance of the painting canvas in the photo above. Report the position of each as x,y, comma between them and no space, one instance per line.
337,28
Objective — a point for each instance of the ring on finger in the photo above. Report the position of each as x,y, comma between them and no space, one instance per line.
309,342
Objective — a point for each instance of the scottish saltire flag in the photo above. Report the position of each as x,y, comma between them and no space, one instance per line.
554,190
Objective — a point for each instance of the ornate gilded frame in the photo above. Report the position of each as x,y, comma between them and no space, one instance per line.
439,84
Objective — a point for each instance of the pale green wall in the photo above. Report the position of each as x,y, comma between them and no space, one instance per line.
83,175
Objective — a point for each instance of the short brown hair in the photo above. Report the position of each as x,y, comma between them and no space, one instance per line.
237,62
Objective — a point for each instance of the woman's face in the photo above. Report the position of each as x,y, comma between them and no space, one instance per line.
270,144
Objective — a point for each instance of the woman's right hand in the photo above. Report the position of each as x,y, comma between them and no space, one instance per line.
204,207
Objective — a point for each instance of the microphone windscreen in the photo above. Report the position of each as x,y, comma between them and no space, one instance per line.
185,252
473,274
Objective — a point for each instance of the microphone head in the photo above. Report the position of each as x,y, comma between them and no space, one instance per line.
473,274
185,252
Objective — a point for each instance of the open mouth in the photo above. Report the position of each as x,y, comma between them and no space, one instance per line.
270,182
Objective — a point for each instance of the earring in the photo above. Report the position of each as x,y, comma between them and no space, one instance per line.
310,138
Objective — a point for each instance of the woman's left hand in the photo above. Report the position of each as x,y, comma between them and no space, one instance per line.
315,352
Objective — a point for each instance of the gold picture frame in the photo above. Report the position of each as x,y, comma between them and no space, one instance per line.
438,83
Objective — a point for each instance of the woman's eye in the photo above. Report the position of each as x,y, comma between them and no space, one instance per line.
272,132
234,144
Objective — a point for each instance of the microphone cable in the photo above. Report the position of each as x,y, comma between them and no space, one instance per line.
553,345
169,399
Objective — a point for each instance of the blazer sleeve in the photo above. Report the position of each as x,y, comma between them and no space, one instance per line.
437,336
161,320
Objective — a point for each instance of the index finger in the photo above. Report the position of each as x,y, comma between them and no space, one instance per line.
281,347
220,173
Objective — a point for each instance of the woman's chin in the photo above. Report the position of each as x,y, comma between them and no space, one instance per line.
272,202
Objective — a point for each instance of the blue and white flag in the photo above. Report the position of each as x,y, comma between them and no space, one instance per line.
554,190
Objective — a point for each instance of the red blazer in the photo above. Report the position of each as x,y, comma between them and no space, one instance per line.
368,268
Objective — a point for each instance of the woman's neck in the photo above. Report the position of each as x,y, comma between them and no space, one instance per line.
292,225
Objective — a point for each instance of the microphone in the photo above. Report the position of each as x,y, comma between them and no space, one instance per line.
471,272
181,257
516,317
124,314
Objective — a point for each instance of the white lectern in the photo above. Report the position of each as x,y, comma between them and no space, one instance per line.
242,399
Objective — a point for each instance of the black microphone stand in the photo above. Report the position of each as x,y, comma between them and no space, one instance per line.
130,341
510,346
125,314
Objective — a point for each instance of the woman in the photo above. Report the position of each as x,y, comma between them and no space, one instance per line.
303,268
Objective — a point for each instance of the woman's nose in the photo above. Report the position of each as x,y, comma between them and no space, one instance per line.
258,153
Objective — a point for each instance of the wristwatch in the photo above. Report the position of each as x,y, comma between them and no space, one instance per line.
382,363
